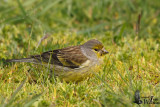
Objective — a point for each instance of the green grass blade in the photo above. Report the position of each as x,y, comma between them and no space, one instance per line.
49,5
34,98
22,8
10,101
120,75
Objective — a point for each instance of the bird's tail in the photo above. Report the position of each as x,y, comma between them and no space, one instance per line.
32,60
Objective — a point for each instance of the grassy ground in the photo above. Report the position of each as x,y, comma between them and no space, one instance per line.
133,63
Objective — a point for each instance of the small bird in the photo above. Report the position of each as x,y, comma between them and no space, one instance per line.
73,63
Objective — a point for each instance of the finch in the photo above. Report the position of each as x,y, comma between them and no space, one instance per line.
72,63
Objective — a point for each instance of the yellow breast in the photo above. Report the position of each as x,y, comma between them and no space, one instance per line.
85,71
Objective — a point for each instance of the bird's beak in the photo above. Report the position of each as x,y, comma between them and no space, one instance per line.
104,51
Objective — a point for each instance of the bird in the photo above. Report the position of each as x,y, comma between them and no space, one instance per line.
73,63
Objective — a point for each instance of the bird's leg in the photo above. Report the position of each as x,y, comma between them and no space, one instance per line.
52,77
30,77
50,73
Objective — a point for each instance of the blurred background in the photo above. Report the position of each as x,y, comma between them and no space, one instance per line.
35,18
22,21
79,16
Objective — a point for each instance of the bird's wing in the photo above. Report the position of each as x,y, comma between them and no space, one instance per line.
68,57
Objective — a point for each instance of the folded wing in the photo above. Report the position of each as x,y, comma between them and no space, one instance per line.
68,57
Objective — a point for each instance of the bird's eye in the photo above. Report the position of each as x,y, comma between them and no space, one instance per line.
96,49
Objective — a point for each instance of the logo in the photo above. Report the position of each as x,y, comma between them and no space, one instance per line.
145,100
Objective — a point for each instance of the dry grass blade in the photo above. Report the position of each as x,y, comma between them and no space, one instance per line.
43,38
138,23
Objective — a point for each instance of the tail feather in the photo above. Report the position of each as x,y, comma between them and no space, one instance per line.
23,60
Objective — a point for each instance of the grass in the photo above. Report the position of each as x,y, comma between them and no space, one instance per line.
132,64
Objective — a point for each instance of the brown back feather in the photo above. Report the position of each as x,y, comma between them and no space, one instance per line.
68,57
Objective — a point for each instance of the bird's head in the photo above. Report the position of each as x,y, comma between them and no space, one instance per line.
96,46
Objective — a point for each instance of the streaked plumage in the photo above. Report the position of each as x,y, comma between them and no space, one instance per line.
71,63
